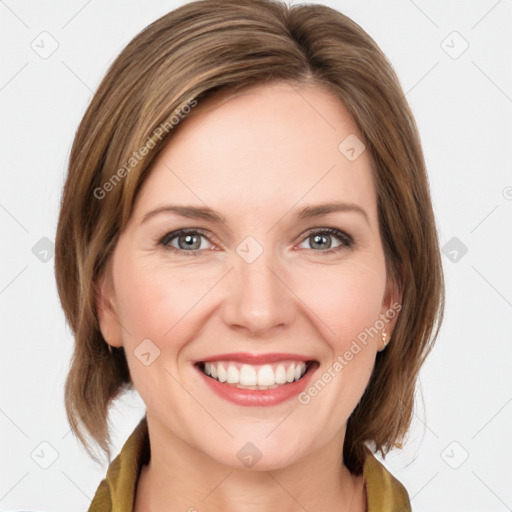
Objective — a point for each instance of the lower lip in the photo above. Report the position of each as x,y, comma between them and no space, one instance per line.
256,398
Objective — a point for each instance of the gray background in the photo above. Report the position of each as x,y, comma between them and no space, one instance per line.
458,454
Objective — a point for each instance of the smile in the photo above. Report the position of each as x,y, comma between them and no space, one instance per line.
261,377
256,380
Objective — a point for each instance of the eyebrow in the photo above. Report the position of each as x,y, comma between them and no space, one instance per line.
206,213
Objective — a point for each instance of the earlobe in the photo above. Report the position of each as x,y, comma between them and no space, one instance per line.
391,306
384,337
105,311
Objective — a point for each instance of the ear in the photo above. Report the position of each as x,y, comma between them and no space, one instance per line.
106,313
391,307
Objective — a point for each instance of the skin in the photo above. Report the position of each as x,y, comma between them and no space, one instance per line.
255,158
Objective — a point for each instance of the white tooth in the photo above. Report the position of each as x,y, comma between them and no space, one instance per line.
213,371
290,373
298,371
302,369
207,368
280,376
221,373
266,376
233,375
248,375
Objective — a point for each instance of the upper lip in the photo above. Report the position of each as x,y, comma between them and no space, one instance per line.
246,357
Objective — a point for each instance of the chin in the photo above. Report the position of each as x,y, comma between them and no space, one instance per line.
253,453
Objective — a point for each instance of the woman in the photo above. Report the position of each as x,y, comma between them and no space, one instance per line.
246,238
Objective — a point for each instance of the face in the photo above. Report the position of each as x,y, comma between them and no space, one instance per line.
262,284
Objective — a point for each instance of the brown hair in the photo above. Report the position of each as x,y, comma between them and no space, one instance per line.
193,52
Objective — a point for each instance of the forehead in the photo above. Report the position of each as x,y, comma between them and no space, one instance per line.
269,146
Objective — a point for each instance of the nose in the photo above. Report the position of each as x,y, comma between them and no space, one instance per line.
258,299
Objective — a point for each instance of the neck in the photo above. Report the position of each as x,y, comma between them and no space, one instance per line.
179,477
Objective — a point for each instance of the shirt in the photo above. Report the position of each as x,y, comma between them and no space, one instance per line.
116,492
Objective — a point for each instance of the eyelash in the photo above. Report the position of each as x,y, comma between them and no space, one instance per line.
346,240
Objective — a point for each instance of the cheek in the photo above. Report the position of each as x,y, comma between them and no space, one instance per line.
347,304
346,300
155,301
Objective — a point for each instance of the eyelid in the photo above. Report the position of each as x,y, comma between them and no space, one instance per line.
171,235
326,229
346,240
